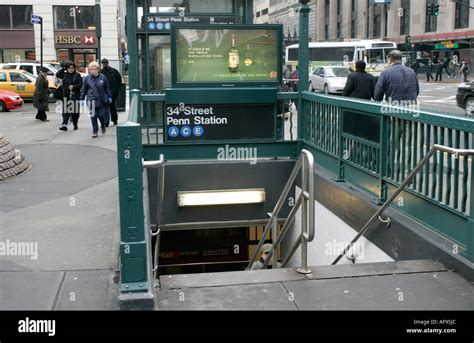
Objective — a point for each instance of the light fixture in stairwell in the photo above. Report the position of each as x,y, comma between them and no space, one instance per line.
221,197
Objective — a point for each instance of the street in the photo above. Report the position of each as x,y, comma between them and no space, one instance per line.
439,97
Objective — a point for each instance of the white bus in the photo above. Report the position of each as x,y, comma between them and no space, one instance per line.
373,52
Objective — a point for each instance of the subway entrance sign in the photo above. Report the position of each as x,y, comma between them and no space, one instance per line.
219,122
225,81
220,114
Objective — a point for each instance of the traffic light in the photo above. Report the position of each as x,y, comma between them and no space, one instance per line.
436,10
407,40
430,9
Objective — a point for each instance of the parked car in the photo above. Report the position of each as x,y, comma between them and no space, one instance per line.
22,83
9,101
465,97
330,79
33,68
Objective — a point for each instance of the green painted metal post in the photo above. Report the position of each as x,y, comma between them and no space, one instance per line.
132,24
303,58
303,63
343,153
133,247
248,12
383,159
470,226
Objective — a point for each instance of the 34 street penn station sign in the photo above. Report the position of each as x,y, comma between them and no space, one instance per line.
75,40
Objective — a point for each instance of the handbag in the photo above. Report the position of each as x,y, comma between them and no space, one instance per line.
58,93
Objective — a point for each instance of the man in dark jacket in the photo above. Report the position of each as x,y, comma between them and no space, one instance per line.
70,91
439,70
115,82
360,84
41,95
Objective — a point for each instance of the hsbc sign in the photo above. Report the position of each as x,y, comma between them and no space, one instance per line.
89,40
76,40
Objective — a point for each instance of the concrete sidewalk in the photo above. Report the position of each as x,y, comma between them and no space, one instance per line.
64,212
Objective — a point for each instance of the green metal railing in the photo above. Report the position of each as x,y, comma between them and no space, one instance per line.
377,160
395,140
134,243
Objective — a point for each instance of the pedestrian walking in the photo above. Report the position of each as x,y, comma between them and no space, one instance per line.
97,91
429,70
464,71
439,70
446,67
397,83
360,84
70,94
41,95
115,82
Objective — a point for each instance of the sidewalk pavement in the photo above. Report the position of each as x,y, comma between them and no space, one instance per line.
63,213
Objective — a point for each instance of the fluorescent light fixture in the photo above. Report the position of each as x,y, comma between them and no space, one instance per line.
221,197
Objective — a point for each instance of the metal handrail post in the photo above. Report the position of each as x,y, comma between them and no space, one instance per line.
274,237
310,190
400,188
276,210
160,164
306,164
304,218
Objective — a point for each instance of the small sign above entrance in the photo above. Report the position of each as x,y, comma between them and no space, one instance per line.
157,23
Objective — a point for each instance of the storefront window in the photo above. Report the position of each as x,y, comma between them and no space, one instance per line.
62,55
5,17
21,17
85,17
16,55
74,17
16,17
462,14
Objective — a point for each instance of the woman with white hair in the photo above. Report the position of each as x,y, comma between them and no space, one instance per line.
97,91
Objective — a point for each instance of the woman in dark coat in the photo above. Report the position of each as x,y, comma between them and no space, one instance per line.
41,95
71,93
97,91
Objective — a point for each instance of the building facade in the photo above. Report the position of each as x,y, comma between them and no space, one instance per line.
69,31
261,10
449,33
285,12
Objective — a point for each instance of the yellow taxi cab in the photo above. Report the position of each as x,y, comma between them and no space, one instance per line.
22,83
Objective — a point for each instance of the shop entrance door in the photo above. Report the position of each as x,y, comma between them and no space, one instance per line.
82,58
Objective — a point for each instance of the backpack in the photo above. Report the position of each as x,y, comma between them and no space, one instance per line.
466,69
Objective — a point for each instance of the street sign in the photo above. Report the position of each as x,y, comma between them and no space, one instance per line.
36,19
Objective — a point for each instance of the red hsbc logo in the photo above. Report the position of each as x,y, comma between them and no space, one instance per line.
89,40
